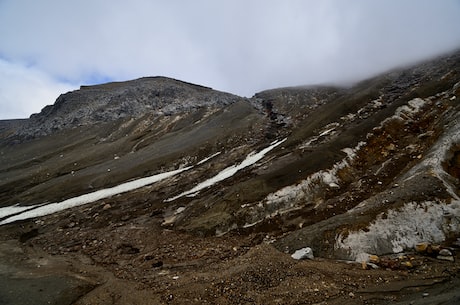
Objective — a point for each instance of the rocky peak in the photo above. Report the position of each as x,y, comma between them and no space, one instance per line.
157,96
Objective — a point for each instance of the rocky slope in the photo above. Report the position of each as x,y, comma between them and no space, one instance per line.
351,172
158,96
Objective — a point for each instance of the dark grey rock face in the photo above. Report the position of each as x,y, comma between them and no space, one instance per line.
159,96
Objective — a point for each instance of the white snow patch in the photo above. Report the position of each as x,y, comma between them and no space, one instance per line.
433,159
330,128
208,158
327,177
248,225
415,222
349,151
14,209
229,171
407,112
42,210
326,132
295,197
179,210
403,228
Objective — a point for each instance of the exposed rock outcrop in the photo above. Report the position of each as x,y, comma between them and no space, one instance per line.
158,96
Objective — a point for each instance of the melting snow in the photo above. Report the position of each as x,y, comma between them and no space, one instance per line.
294,197
330,128
228,172
208,158
17,212
14,213
14,209
328,177
21,213
403,228
435,157
414,222
326,132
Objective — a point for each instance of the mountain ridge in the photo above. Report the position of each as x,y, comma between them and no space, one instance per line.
117,100
168,87
353,173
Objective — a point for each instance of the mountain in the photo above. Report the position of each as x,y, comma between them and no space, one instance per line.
184,194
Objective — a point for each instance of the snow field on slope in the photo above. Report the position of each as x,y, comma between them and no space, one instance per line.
22,213
16,212
228,172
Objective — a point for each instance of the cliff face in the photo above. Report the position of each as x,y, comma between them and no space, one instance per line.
368,169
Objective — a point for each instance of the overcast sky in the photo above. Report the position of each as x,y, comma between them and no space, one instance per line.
49,47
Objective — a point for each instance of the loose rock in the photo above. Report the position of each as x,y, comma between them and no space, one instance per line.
421,247
445,258
445,252
304,253
445,255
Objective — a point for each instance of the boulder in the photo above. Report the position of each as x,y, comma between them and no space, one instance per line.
304,253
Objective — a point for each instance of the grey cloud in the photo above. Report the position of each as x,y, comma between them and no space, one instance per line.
236,46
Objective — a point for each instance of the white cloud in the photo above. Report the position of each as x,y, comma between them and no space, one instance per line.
25,90
238,46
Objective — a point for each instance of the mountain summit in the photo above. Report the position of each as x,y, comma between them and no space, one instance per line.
180,193
157,96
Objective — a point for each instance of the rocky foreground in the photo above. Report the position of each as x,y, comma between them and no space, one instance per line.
366,178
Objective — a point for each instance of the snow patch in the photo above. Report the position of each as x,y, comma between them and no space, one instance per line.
228,172
46,209
14,209
208,158
17,212
412,108
433,160
328,130
323,177
407,112
295,197
430,221
179,210
401,229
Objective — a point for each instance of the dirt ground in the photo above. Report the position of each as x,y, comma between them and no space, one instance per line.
73,258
